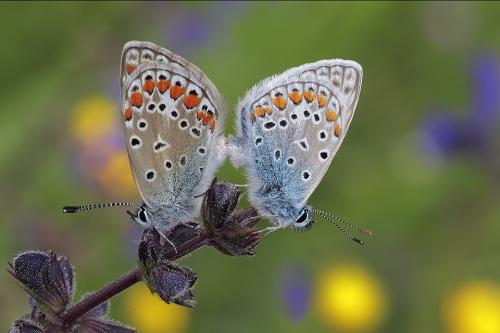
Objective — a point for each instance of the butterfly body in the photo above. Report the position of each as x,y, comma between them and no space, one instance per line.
289,129
172,121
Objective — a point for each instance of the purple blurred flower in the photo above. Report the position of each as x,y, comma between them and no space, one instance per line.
194,28
189,29
445,134
485,75
296,291
441,133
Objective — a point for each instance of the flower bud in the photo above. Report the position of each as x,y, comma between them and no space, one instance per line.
171,282
24,326
45,277
231,232
49,281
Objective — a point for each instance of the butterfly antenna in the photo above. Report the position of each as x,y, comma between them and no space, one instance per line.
347,234
352,226
77,209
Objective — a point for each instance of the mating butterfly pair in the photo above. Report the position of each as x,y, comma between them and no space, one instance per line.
290,127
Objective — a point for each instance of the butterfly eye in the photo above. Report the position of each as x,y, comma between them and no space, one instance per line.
142,215
302,218
303,222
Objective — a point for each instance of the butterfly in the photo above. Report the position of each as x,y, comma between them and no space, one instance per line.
289,128
172,119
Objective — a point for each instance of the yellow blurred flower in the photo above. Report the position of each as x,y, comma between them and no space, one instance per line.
93,117
350,298
116,175
149,314
473,308
101,156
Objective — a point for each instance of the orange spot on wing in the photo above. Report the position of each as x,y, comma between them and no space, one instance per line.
321,100
296,97
191,100
163,86
337,130
309,95
212,124
207,119
149,86
127,115
252,117
176,91
259,111
130,68
201,115
268,110
136,99
280,102
331,115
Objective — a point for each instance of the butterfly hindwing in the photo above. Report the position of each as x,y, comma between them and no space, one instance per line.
291,127
171,115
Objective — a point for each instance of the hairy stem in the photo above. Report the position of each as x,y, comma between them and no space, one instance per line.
125,281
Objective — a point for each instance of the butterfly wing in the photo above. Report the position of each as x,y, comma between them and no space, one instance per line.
172,120
291,126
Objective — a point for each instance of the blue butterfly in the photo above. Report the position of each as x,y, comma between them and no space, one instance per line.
290,127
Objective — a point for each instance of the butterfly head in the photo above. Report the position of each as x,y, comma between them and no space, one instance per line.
162,217
141,216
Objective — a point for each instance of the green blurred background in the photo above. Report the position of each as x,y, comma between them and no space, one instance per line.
420,165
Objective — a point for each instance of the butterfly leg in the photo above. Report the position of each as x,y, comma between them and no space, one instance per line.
268,230
167,240
201,194
204,193
241,185
250,222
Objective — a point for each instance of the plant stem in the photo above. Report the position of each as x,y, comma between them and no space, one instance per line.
125,281
189,247
102,295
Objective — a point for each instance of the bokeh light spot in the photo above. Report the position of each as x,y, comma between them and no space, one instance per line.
93,117
116,175
149,314
350,298
473,308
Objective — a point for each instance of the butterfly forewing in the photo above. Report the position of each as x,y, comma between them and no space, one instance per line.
346,77
171,120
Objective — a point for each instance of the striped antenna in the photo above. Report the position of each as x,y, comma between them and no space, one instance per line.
327,217
77,209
